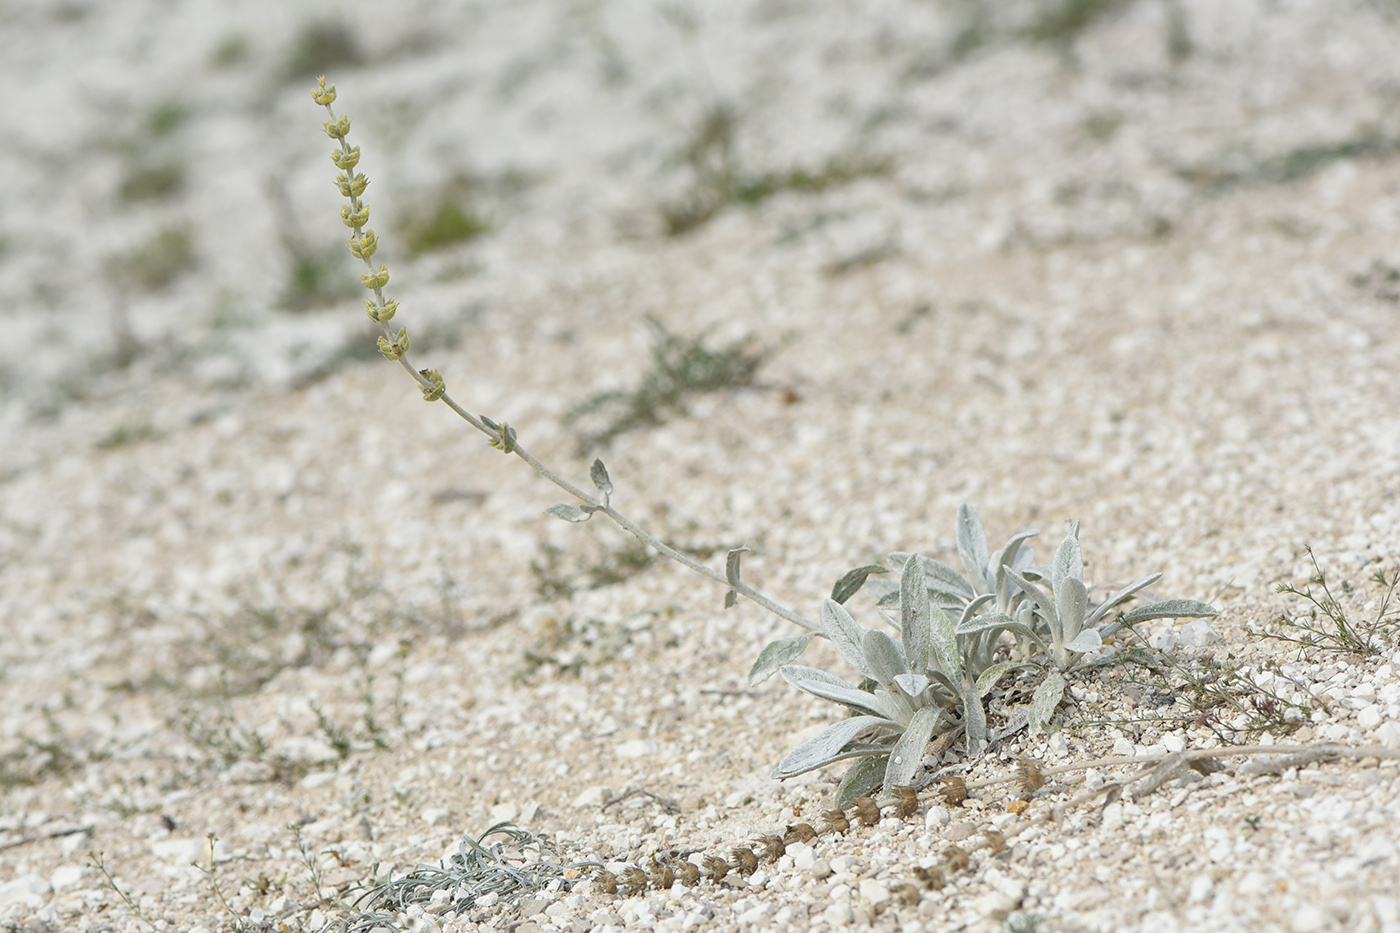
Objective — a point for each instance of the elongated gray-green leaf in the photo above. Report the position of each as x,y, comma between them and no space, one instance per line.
569,513
1072,604
860,779
1068,563
946,657
825,747
731,565
599,474
937,574
1044,701
845,633
882,657
776,654
1043,603
914,616
988,678
852,580
1170,609
1011,550
972,547
1086,641
821,684
975,721
912,684
1120,597
908,753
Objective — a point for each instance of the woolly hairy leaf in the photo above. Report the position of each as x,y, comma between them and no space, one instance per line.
912,684
1086,641
972,547
995,620
845,633
775,654
1071,603
908,753
975,721
1039,599
915,625
860,780
989,678
938,575
1069,561
821,684
1120,597
882,657
945,645
1170,609
825,747
1044,701
569,513
851,582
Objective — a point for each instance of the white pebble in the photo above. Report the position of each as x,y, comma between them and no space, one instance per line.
1369,717
874,892
936,817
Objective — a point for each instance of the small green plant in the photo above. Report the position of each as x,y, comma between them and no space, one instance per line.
1023,922
720,179
157,262
680,367
515,864
1326,626
98,862
447,225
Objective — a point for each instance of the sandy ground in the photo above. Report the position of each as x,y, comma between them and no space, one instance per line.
1132,263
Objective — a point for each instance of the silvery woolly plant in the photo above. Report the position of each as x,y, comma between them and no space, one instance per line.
950,652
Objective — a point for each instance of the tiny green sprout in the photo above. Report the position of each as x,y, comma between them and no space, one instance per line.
1253,820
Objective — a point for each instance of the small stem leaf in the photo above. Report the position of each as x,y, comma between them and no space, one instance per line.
1170,609
821,684
883,656
825,747
569,513
973,608
1045,700
996,622
731,566
775,655
1043,603
1010,552
845,633
851,582
1086,641
912,684
860,780
1071,603
731,599
907,756
1120,597
975,719
989,678
915,615
972,547
599,474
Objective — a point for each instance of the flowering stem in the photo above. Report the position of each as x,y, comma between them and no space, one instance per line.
394,346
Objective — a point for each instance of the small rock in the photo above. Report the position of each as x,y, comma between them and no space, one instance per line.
957,832
488,899
593,797
1202,887
839,915
1369,717
1309,918
26,890
1173,743
804,857
636,748
435,816
738,799
874,892
1198,633
66,876
1113,816
936,818
821,869
504,811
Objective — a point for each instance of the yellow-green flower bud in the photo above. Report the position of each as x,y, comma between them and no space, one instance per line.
346,158
377,280
351,186
504,441
337,129
364,245
372,309
323,95
387,311
395,349
431,393
355,218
